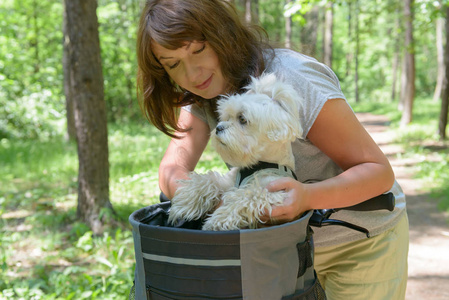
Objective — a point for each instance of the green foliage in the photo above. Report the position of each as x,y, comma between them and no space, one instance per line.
46,252
118,26
272,22
31,102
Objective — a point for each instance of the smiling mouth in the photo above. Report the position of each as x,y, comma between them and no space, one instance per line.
205,84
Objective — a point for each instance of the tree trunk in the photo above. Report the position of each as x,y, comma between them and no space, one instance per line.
328,32
357,51
408,87
442,124
251,11
440,58
288,29
248,15
349,54
70,115
86,84
35,41
255,10
396,57
309,32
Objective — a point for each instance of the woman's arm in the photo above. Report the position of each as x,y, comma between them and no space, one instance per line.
183,154
367,172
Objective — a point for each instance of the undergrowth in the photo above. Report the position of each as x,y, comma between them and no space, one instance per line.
46,253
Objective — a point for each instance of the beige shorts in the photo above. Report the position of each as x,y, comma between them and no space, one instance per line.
368,269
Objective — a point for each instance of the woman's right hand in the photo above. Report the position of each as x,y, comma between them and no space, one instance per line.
183,154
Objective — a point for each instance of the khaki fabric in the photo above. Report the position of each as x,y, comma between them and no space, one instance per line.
370,269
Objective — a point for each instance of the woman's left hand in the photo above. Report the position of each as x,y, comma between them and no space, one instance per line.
294,204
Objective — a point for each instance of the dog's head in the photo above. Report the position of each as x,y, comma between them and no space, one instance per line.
257,125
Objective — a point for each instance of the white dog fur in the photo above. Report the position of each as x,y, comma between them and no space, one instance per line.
259,125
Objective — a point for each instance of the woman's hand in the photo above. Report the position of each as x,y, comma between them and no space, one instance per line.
294,205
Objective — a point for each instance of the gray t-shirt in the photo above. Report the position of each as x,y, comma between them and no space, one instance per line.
316,83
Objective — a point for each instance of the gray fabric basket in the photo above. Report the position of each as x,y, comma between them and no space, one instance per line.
184,263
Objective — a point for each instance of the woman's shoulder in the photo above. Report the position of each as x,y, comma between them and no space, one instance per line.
290,65
292,54
290,60
288,57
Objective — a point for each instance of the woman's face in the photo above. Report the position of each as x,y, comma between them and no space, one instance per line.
194,67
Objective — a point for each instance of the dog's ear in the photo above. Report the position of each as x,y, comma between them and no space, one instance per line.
283,125
289,101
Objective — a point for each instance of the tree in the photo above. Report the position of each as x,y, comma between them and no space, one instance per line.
251,11
442,124
396,54
357,51
288,28
328,33
408,73
349,54
439,27
70,115
309,32
35,42
86,88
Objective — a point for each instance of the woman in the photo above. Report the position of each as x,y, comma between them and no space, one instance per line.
192,51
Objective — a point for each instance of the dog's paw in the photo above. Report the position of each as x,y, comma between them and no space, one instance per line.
221,220
196,196
243,208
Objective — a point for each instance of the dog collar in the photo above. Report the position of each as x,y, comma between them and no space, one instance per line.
245,174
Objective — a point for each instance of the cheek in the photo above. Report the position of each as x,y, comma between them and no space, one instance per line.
221,84
178,79
213,66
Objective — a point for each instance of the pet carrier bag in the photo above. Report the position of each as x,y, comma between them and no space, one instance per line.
187,263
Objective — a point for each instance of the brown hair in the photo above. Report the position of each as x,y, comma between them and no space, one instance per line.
171,23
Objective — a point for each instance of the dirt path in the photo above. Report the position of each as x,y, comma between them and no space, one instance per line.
429,230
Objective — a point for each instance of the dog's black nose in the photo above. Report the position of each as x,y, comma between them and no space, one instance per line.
219,128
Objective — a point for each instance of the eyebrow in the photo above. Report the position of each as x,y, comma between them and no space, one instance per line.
187,48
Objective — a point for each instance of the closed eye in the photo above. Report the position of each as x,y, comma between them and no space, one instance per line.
173,65
200,50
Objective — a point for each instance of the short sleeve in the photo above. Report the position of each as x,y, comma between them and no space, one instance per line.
204,112
315,83
197,111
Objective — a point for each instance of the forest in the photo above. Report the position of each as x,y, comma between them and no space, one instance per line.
56,243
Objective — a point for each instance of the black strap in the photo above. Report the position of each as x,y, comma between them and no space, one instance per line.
261,165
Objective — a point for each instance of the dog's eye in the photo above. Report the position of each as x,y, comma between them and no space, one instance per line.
242,119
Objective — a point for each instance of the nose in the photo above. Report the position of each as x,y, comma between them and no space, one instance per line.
193,72
219,129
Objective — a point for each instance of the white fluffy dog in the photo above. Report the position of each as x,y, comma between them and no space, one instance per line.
254,135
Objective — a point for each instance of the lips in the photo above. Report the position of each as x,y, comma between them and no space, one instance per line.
205,84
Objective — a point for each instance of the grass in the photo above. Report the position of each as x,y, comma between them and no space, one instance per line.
46,253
